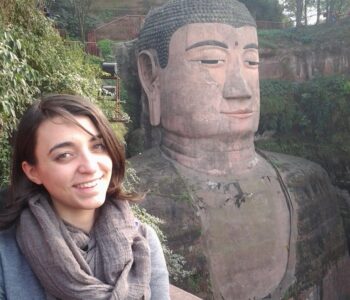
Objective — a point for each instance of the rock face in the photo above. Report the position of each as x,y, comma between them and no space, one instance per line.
302,249
304,63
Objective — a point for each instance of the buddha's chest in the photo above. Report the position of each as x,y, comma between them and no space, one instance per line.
246,229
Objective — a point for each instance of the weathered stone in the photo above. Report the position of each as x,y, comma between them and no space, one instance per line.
304,63
199,218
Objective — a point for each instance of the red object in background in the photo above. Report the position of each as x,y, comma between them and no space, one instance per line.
90,45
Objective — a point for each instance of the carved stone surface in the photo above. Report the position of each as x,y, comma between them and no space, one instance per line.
253,225
235,229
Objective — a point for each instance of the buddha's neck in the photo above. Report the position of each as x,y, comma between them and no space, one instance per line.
219,156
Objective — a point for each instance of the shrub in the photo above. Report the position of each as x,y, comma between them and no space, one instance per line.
34,60
105,47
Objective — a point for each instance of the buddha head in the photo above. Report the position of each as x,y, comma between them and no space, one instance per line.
198,64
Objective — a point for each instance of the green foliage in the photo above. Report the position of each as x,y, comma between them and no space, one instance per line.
105,47
317,109
325,103
316,36
278,108
35,60
327,8
18,80
72,16
266,10
309,119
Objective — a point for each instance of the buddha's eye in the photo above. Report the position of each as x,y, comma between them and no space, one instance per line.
252,63
207,56
251,58
212,61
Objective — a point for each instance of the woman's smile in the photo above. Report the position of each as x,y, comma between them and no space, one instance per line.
88,184
73,165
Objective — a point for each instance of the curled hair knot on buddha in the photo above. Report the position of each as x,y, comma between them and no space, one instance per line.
161,23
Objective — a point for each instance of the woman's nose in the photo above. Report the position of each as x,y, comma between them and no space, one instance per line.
88,162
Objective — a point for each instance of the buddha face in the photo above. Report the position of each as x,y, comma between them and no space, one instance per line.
210,86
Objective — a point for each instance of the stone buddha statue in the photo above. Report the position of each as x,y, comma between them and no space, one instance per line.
254,225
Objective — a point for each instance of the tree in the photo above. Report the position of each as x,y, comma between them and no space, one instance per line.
299,12
72,15
318,11
265,10
331,9
335,8
81,11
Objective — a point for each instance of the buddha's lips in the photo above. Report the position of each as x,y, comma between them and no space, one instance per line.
240,114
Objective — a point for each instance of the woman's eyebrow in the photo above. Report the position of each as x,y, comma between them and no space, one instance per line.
60,145
208,43
70,144
96,137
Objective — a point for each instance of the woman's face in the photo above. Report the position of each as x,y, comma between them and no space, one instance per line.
72,165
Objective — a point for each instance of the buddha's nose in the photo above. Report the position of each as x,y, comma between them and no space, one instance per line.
235,86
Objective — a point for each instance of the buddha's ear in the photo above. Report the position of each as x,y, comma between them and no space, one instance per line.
149,76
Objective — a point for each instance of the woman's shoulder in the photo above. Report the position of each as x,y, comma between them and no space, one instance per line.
8,242
8,234
149,232
152,236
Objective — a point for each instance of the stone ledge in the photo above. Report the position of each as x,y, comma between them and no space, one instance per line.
179,294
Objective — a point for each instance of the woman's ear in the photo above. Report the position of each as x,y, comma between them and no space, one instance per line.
31,172
149,77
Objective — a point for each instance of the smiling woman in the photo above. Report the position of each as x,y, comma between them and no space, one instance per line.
68,220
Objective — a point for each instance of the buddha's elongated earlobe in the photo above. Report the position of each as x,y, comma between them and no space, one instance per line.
149,77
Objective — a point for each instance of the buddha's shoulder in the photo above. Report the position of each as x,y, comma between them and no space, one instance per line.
150,162
306,182
296,169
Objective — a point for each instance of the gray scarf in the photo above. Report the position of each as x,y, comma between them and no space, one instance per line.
114,264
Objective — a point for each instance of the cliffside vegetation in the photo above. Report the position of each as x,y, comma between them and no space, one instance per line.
309,119
313,36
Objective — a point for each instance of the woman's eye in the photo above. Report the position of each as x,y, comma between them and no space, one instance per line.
99,146
63,156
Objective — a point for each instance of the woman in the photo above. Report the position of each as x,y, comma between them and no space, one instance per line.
70,233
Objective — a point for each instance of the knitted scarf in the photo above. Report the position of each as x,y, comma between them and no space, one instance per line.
116,267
